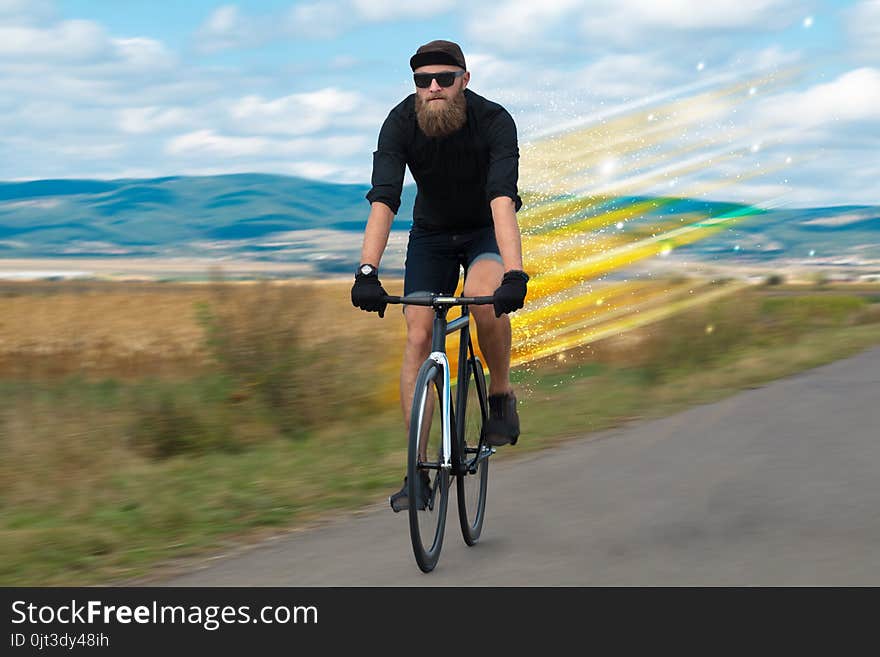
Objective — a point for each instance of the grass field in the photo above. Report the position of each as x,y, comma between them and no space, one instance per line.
144,422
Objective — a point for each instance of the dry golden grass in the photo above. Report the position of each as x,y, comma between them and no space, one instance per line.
61,458
124,330
134,330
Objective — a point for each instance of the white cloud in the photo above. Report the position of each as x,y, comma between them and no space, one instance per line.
854,96
226,28
319,20
386,10
497,70
90,151
295,114
314,170
76,44
632,21
863,23
773,57
142,120
514,24
223,20
343,62
208,142
25,12
625,76
143,53
73,40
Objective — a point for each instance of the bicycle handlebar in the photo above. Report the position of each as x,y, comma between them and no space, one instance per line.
439,300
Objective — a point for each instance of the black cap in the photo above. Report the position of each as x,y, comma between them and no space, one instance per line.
438,52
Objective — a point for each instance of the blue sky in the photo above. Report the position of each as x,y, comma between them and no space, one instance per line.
130,88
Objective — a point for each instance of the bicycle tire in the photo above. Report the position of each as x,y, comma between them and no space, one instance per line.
472,482
427,525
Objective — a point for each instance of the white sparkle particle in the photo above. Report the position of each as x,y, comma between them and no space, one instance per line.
808,22
701,66
812,252
753,91
736,248
619,225
788,160
755,147
608,167
650,117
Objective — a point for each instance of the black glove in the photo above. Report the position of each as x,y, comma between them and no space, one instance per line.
367,292
511,294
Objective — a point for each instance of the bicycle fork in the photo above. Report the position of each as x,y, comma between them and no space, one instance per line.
445,408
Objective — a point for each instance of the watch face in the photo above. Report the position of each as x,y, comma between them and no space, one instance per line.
366,269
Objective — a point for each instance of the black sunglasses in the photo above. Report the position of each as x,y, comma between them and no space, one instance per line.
444,79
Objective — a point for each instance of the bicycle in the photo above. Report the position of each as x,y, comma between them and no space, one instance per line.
458,444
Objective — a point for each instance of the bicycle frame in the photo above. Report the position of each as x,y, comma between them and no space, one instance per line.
441,328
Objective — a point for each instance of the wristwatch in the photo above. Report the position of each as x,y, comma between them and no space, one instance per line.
367,270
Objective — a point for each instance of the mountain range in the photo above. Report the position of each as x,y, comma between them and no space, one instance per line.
280,218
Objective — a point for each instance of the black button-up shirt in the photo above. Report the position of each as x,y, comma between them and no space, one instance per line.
456,175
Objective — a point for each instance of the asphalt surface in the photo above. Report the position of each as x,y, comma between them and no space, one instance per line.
778,485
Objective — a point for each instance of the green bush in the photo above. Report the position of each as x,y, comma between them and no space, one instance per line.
698,337
799,312
254,336
264,338
703,336
170,423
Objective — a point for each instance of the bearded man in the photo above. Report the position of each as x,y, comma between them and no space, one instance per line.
463,155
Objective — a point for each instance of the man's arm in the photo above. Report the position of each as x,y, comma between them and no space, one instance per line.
507,232
376,233
501,182
389,164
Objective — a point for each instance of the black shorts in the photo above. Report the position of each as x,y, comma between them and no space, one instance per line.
434,259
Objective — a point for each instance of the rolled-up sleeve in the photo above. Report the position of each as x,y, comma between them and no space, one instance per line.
503,159
389,164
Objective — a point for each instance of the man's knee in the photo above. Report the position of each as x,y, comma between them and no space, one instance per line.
418,339
418,332
483,278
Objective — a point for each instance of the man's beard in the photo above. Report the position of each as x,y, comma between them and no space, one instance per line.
441,118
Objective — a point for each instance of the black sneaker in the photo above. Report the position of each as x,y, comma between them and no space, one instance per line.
400,500
502,426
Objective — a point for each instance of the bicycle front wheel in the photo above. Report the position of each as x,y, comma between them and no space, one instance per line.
473,454
427,481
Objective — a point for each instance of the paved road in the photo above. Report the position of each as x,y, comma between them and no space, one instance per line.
775,486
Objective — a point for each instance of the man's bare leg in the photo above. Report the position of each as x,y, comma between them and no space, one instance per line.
419,324
493,333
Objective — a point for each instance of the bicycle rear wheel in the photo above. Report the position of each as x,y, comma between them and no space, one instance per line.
427,512
473,453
